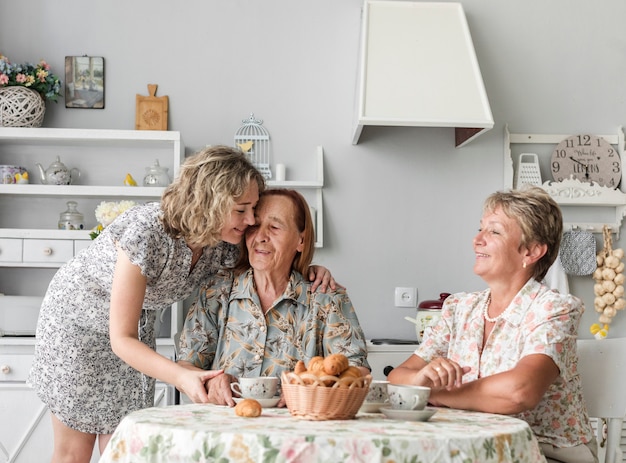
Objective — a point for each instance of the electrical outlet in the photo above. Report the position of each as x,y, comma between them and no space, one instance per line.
406,297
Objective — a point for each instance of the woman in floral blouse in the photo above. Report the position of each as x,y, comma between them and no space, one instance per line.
511,349
260,319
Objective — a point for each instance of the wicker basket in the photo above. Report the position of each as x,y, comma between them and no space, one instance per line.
308,397
21,107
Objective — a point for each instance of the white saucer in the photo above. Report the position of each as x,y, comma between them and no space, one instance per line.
408,415
372,407
265,403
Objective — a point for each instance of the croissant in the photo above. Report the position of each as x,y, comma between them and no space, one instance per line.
335,364
299,368
351,372
316,366
248,408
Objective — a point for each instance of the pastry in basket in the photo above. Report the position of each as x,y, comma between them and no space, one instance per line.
328,371
336,364
312,393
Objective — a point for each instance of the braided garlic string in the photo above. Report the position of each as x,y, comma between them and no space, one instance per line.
609,286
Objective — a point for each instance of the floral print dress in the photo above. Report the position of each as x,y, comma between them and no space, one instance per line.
75,372
538,321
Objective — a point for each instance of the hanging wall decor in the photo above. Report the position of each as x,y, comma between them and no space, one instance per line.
254,140
84,82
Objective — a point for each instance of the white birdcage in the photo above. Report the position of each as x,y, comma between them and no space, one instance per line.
254,140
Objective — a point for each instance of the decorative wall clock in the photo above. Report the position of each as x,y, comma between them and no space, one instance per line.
587,158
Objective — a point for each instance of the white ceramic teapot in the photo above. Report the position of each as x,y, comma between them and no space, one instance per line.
58,174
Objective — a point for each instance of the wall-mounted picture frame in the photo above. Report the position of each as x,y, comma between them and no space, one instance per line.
84,82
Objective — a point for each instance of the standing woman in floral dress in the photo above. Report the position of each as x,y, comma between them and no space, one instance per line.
95,358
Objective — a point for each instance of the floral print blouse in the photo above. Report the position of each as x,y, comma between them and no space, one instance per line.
226,327
539,321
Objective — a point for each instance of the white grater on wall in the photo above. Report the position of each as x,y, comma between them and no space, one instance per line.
528,170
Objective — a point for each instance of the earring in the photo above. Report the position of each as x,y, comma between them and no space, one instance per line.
524,264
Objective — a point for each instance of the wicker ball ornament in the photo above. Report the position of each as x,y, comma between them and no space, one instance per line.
21,107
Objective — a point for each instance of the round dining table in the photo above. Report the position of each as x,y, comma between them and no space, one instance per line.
212,433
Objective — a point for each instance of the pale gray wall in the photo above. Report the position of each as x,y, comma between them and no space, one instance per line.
403,205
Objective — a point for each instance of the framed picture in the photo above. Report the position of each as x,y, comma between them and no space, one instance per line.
84,82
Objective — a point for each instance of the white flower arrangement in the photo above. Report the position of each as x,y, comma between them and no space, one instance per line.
107,212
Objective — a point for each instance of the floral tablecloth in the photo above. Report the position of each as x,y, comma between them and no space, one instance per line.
210,433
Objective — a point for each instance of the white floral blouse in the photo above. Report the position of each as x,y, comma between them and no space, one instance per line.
539,320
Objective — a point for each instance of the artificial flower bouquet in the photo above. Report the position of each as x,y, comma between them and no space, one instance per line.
107,212
36,77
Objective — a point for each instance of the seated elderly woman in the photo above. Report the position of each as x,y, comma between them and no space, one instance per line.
511,348
262,317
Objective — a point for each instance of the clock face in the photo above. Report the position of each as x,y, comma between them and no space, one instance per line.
588,158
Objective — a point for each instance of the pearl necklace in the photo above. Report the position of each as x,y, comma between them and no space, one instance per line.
486,311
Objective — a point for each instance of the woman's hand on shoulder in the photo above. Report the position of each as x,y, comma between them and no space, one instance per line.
322,278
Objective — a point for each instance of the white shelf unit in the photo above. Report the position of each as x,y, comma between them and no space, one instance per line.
570,192
29,212
316,187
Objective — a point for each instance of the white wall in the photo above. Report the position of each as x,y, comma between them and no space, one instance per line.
402,206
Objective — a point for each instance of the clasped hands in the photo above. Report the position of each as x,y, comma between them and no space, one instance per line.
441,373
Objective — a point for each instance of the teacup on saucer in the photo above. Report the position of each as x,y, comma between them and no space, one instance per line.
408,415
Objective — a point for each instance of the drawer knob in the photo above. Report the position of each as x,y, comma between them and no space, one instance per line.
6,369
47,251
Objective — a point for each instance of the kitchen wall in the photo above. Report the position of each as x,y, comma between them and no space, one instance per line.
402,206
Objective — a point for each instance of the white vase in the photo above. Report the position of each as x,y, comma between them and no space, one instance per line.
21,107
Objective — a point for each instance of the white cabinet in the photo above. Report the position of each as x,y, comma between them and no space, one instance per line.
27,436
384,357
570,194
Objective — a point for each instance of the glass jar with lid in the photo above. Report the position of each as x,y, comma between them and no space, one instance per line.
71,219
156,175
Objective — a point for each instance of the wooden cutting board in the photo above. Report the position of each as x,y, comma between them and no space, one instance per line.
151,111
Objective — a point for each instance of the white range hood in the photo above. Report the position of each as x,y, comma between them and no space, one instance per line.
418,68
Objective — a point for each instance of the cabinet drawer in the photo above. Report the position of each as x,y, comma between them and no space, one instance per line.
58,251
10,250
79,245
15,367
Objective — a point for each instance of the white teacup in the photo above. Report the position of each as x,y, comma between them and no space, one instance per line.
408,397
261,387
377,393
